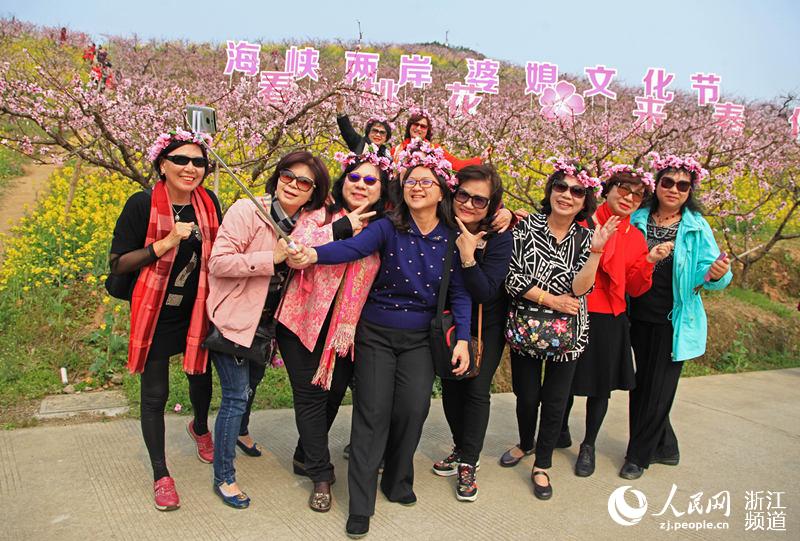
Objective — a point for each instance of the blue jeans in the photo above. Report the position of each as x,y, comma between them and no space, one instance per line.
234,379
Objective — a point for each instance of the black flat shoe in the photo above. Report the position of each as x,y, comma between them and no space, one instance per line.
509,461
357,526
630,471
542,493
408,500
666,460
564,440
255,450
584,466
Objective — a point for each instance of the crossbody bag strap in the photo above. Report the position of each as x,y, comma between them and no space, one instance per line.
448,262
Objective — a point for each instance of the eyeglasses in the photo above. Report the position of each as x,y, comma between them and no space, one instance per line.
178,159
304,184
369,180
667,183
425,183
578,192
625,190
377,131
419,125
478,201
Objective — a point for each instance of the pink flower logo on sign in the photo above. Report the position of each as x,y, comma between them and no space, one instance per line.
561,102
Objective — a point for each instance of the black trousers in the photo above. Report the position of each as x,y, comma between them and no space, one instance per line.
391,399
531,392
657,377
467,403
314,408
153,400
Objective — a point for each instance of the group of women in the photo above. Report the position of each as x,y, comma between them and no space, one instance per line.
350,301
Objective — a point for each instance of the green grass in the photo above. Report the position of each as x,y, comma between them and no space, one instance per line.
762,301
10,166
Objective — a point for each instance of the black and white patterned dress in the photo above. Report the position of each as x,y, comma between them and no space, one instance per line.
538,260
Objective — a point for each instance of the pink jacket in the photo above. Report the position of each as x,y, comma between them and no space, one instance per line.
239,271
310,294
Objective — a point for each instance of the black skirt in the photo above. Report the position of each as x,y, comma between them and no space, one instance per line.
607,363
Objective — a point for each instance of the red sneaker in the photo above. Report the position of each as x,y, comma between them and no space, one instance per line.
166,496
205,446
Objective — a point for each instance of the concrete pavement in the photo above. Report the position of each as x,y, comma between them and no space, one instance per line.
738,433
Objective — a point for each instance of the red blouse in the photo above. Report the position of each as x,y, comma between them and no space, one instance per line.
623,267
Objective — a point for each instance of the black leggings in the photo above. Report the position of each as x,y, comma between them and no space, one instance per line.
596,408
154,394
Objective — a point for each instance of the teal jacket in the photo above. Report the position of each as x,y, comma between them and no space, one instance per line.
695,251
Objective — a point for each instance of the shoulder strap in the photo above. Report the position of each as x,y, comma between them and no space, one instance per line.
448,262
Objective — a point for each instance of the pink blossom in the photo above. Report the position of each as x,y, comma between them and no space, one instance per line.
561,102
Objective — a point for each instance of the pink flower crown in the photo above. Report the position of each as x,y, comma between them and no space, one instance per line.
687,162
573,169
383,120
420,111
369,155
610,169
178,134
421,153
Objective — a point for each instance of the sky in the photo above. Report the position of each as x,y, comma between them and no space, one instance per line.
753,45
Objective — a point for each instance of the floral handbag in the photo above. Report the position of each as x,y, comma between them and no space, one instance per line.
536,330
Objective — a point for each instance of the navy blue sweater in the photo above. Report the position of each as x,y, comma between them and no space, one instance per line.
406,290
485,281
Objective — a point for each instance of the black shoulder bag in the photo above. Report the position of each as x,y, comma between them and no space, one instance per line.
443,331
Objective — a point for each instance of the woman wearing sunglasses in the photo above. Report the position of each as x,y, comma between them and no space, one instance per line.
318,317
247,276
484,261
377,132
668,323
626,268
165,236
553,265
393,365
420,126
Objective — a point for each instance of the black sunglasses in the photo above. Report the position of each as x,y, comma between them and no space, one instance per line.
625,190
478,201
577,192
178,159
369,180
304,184
683,185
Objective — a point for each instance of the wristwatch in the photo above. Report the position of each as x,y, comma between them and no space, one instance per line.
469,264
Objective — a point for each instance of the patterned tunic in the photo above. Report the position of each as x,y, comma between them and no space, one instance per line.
538,260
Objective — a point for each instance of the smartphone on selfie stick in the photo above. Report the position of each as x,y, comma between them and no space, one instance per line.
203,119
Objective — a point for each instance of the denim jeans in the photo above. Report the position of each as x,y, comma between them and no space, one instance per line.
234,379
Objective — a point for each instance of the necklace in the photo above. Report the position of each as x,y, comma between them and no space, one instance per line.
178,212
659,221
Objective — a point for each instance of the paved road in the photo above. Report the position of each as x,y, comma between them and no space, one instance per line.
738,433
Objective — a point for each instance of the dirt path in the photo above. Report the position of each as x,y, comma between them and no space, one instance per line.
22,191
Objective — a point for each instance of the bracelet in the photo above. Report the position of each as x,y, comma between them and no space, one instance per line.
541,297
152,251
469,264
600,251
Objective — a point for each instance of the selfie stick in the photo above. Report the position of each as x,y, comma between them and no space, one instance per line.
259,207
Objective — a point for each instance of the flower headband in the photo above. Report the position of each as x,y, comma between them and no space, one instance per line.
370,155
419,111
610,169
574,169
382,120
686,162
420,153
178,134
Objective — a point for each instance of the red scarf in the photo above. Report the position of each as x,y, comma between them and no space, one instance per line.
151,286
613,260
